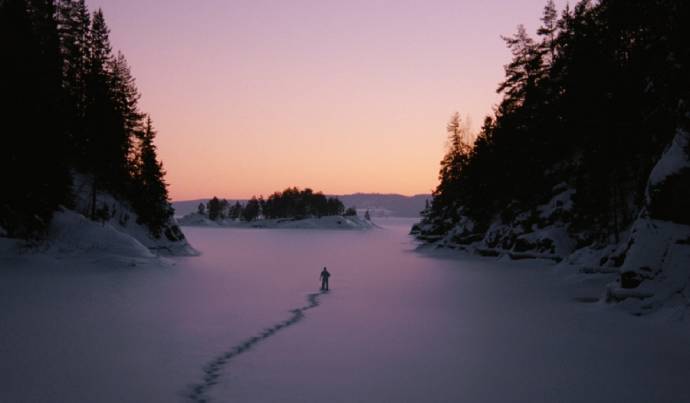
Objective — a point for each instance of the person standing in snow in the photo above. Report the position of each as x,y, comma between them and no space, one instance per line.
324,279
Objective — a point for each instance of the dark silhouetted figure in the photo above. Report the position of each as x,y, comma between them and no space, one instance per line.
324,279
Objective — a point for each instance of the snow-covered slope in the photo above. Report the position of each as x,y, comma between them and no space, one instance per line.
655,258
328,222
123,219
116,234
73,234
539,233
656,267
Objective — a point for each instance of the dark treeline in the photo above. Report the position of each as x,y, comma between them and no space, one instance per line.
589,104
293,202
70,105
290,203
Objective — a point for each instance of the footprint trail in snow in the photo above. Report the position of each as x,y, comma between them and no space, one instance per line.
212,370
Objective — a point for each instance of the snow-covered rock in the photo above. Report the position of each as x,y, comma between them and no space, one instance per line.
541,232
654,262
674,159
668,192
656,266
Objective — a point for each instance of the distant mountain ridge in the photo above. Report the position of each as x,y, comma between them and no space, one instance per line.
393,205
387,204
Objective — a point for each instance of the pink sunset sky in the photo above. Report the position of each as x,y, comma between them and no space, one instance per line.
250,97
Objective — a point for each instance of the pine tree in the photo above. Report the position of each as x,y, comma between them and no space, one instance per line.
69,104
334,206
236,211
452,166
252,210
523,71
100,50
125,97
151,200
213,209
589,106
549,30
74,29
262,205
33,166
111,118
223,209
95,148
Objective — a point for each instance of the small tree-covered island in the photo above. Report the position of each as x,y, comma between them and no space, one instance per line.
291,208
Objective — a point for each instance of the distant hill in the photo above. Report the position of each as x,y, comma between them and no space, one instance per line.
394,205
387,204
184,207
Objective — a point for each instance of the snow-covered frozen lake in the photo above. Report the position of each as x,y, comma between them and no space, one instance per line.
398,326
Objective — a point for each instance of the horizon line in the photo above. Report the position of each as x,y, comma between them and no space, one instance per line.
325,194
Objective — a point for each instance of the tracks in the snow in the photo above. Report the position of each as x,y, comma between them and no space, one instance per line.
211,371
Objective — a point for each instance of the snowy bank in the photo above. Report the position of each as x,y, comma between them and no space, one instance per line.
71,235
326,222
117,233
121,217
541,233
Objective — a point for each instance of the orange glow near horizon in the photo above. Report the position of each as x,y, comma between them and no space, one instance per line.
250,97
